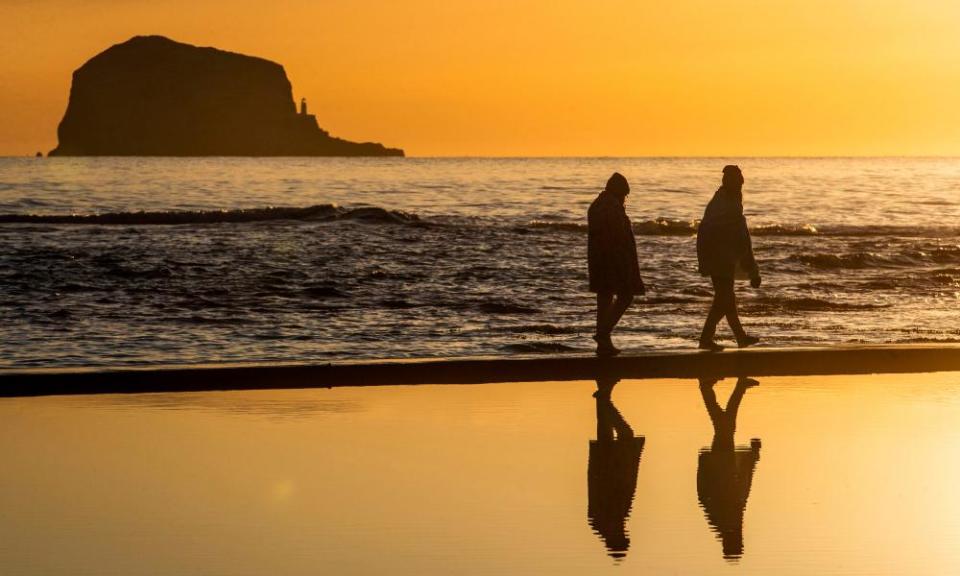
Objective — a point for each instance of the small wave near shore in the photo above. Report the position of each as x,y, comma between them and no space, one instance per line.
319,212
660,226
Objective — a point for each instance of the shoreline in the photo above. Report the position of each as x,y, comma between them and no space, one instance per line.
754,362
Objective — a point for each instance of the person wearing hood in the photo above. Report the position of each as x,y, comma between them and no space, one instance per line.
725,252
611,260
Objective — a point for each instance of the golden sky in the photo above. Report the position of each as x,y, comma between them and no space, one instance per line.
537,77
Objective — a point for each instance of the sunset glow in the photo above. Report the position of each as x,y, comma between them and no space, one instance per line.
533,78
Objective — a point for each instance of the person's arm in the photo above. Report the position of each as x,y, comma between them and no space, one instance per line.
747,261
629,243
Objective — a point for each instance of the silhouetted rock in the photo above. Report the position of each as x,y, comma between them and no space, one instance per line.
151,96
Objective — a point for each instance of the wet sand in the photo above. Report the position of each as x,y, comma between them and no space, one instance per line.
827,475
866,359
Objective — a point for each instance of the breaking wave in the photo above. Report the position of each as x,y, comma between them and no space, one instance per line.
863,260
319,212
782,304
537,348
676,227
332,212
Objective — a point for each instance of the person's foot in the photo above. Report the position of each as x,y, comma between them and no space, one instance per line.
603,393
747,341
607,350
708,382
710,346
605,345
746,382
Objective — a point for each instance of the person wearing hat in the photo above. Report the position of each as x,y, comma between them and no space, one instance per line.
725,252
611,260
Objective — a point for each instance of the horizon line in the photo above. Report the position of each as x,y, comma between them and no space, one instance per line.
550,157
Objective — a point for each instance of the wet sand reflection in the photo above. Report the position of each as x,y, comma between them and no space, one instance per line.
612,472
724,470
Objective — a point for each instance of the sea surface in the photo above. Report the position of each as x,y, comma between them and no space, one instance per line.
852,476
108,261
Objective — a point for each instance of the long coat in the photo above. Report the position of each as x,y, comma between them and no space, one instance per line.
724,247
611,248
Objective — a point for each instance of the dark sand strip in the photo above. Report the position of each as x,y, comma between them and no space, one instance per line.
677,364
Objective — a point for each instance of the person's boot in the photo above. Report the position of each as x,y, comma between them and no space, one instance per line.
706,339
744,341
605,345
709,345
747,382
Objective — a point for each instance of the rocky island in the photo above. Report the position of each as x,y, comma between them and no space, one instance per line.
152,96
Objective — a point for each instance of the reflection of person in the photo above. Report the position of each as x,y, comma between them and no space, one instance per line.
724,250
725,471
611,260
612,473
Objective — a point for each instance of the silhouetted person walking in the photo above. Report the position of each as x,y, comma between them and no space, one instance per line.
725,471
612,473
724,252
612,260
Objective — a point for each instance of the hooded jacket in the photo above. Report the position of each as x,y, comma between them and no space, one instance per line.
724,247
611,247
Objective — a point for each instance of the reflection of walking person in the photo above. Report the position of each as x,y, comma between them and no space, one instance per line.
724,252
612,473
725,471
611,260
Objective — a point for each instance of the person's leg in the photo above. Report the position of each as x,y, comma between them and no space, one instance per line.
604,304
733,318
623,301
729,303
605,308
733,402
604,426
717,310
709,396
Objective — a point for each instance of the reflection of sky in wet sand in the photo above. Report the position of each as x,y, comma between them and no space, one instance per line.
858,476
273,404
612,473
725,470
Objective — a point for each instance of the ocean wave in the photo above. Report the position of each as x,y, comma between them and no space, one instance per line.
134,273
503,307
863,260
660,226
657,227
545,329
677,227
323,291
855,261
773,303
890,231
785,230
537,348
319,212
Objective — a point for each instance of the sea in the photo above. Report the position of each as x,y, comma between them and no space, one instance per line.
142,261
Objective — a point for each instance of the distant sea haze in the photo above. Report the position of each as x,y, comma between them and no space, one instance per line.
108,261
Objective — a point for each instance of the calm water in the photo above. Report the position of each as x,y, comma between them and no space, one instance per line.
835,475
424,257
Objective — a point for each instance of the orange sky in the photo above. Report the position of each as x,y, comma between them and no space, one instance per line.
531,77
